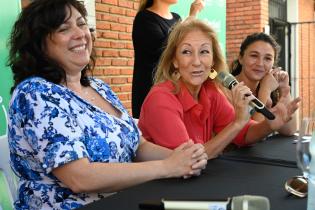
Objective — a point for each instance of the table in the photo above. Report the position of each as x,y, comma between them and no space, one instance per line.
224,177
275,150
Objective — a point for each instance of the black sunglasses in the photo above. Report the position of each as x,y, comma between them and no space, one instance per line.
297,186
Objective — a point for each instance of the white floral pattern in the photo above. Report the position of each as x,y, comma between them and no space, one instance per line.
49,126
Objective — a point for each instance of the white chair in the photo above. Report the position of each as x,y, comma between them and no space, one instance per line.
8,180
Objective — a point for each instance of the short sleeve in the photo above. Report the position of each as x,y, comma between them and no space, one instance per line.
49,129
161,120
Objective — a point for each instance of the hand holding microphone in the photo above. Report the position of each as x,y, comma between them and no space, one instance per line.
230,81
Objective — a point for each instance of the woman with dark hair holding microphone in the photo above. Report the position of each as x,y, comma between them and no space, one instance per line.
150,31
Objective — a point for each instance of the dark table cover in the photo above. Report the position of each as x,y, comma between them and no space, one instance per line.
276,150
221,179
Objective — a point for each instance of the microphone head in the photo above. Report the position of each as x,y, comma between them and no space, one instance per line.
250,202
226,79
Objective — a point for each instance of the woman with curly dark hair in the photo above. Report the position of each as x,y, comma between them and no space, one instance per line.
71,140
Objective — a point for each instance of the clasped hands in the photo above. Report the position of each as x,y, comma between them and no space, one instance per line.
186,160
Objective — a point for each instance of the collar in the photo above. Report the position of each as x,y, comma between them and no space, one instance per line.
201,108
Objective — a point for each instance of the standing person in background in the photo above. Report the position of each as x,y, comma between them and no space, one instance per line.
256,67
71,140
149,35
186,104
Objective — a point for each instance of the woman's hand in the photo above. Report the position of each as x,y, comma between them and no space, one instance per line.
269,83
186,160
283,112
241,96
282,78
196,7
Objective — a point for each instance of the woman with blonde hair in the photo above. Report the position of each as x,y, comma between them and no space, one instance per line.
151,27
186,104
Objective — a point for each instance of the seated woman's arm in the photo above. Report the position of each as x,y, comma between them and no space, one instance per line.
83,176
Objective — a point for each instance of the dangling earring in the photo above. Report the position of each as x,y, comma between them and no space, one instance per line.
212,73
176,75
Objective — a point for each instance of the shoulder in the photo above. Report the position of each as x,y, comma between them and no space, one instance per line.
162,95
101,87
100,84
165,88
38,85
145,16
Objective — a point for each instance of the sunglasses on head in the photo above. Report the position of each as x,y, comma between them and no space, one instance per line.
297,186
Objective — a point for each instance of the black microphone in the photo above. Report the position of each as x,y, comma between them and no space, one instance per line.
229,81
250,202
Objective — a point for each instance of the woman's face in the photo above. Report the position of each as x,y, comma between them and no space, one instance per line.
71,44
257,60
193,59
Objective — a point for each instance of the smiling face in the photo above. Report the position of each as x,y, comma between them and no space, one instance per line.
193,59
71,44
257,60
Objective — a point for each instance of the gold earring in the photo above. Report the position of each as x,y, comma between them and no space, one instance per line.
176,75
212,73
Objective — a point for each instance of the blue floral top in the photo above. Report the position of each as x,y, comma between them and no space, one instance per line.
49,126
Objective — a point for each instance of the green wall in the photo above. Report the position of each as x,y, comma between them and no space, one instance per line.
214,12
9,10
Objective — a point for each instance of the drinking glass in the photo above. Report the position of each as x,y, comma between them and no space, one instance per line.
303,145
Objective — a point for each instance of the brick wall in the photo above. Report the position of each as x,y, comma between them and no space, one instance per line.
307,57
114,47
243,17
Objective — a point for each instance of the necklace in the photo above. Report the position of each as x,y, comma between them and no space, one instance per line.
88,96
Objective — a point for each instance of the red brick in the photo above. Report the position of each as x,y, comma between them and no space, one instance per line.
110,35
119,62
126,71
110,53
119,80
102,43
112,2
124,3
101,7
117,44
112,71
126,53
117,10
117,27
126,36
103,25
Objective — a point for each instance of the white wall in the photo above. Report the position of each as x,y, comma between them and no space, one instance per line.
90,7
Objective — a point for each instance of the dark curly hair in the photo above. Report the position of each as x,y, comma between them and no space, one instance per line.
236,67
27,41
